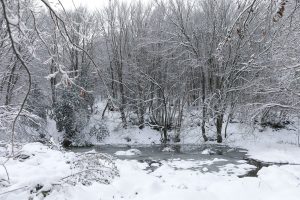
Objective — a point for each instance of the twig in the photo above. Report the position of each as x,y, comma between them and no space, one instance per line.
13,190
8,180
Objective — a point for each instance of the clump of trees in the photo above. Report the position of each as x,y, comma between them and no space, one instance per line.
152,61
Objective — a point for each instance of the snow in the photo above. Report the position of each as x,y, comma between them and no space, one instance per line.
204,169
130,152
188,164
133,135
55,136
38,165
119,135
207,152
44,165
275,146
168,183
168,149
267,145
43,157
174,179
155,164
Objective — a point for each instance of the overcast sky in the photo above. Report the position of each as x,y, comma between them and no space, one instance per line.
91,4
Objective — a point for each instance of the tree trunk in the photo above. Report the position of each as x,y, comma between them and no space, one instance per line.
141,107
122,96
53,83
203,124
204,109
219,127
165,120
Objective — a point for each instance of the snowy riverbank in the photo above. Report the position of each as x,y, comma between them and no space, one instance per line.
264,144
40,175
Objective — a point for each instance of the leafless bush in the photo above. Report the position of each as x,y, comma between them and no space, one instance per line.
92,167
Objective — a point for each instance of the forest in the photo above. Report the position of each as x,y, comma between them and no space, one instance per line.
219,76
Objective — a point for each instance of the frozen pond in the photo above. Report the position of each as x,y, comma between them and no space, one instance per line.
206,158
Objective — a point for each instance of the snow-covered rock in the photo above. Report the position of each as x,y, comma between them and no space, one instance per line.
207,152
204,169
130,152
168,149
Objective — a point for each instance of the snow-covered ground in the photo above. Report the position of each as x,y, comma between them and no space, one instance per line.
280,146
173,179
37,170
44,174
168,183
263,144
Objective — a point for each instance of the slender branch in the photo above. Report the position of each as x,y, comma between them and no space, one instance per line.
8,179
3,193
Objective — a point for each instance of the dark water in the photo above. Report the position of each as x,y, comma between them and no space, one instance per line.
155,152
154,155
